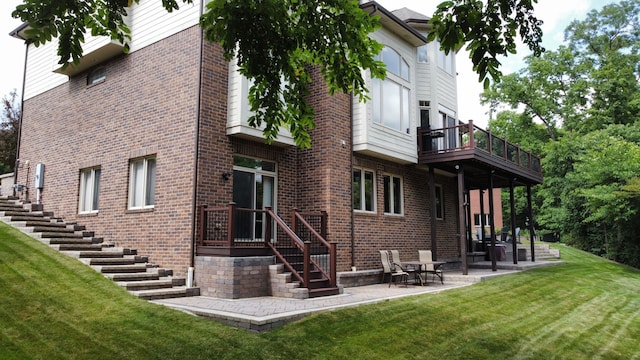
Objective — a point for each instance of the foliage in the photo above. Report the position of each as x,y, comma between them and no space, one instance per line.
54,307
285,32
9,124
489,28
587,96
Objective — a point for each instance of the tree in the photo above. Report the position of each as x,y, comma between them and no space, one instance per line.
286,33
587,96
9,124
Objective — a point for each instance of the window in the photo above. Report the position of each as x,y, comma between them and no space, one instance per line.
423,55
391,96
450,136
96,76
439,203
142,183
363,190
89,189
445,61
476,220
392,195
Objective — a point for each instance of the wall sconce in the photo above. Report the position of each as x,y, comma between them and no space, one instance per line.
226,175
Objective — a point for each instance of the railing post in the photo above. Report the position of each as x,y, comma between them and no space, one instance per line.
489,142
505,148
472,142
323,224
518,155
294,223
231,224
203,224
267,226
333,264
307,262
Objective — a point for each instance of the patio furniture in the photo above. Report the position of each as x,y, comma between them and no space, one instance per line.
395,270
430,266
386,266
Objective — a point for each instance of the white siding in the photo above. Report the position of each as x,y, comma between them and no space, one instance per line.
447,90
378,140
239,111
39,75
149,23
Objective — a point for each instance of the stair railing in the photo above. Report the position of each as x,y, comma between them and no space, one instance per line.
322,251
300,248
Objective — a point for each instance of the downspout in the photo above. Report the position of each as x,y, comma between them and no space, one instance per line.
353,217
24,78
194,208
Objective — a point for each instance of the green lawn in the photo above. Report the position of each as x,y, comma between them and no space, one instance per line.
53,307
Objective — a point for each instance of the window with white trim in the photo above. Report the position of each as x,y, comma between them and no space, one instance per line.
89,190
439,203
476,220
392,195
391,96
445,61
364,190
423,55
142,183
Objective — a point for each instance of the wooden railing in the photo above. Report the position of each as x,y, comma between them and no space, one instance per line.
302,249
469,136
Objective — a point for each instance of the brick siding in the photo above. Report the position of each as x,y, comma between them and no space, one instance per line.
148,105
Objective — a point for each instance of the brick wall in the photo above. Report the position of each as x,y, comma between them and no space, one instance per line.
411,231
147,105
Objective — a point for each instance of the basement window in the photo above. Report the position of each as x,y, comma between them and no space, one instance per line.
96,76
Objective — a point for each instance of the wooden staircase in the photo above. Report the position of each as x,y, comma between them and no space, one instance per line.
124,266
319,285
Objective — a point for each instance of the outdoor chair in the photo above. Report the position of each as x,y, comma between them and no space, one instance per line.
426,258
386,265
395,271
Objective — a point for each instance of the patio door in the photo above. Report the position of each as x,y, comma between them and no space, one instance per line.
254,188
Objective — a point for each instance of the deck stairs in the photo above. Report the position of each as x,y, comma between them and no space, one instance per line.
319,285
124,266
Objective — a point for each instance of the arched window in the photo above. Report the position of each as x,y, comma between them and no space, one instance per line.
390,97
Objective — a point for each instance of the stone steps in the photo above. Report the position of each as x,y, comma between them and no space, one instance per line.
123,266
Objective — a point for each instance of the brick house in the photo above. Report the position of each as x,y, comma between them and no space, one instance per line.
135,146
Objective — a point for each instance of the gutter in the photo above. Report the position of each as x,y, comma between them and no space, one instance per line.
194,208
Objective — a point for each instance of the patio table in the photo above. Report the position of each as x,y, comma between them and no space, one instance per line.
420,268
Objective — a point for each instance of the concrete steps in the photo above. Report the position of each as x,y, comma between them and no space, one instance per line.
123,266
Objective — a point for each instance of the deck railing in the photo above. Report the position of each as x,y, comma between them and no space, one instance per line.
301,249
469,136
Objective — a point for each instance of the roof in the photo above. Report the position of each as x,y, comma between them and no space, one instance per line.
394,23
408,15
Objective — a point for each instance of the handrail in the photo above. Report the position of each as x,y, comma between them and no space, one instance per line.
330,273
217,228
304,246
304,222
470,136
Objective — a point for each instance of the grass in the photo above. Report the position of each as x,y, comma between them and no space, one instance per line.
53,307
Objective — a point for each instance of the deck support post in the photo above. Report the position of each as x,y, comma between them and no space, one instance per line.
512,203
432,198
462,205
530,214
492,250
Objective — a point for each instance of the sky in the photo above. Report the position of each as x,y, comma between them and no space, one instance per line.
556,14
